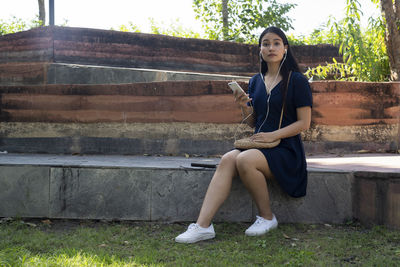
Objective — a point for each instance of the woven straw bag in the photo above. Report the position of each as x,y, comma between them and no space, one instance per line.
247,143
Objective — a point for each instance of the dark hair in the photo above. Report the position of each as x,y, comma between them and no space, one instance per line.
290,63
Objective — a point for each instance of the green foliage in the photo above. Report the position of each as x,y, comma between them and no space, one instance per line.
364,51
245,17
174,29
14,25
333,71
127,28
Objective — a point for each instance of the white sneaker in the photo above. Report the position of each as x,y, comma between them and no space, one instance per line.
262,226
195,233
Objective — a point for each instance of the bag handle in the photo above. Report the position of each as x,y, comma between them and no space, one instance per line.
283,105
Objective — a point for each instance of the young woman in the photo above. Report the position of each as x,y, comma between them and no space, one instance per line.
261,109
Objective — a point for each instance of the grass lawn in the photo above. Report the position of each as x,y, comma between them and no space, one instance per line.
93,243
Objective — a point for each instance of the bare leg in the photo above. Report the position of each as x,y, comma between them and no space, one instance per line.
253,170
219,188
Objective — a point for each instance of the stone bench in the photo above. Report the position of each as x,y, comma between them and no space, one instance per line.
151,189
169,189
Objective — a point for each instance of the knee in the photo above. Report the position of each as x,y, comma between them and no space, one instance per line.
229,158
243,163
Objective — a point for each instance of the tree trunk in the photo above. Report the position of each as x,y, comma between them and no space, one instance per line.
42,12
225,24
391,11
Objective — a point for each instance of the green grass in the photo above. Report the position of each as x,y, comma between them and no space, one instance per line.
89,243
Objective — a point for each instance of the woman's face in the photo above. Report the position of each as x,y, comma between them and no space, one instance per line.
272,48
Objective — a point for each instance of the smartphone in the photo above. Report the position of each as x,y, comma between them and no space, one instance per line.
203,165
236,87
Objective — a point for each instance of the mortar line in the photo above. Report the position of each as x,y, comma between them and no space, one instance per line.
151,199
49,196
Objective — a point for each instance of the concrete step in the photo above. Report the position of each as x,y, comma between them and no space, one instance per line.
138,50
170,189
184,117
42,73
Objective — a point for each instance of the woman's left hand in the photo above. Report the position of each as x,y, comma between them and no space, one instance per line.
264,137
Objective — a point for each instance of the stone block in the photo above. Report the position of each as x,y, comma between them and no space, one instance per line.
178,195
393,205
20,73
59,73
65,145
328,200
24,191
100,193
239,205
377,198
366,202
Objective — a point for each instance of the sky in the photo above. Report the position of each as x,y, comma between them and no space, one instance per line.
107,14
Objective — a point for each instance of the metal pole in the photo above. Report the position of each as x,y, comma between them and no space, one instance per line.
51,11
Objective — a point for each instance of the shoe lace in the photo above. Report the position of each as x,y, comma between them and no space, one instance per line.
193,226
259,220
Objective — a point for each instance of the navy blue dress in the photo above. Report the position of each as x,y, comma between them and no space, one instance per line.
287,161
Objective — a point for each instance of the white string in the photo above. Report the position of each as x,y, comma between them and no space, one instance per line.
248,116
269,95
273,82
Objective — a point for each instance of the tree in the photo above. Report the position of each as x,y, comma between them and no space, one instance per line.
15,24
391,12
365,57
225,19
42,12
363,50
238,20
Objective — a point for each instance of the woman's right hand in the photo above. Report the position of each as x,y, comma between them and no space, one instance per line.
241,99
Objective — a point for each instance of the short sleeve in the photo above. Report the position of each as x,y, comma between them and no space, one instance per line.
251,92
302,91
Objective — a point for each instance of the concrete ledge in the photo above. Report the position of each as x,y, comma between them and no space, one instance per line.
88,74
139,50
178,138
151,189
164,109
59,73
377,198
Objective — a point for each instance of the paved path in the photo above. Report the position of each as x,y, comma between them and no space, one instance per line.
359,162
